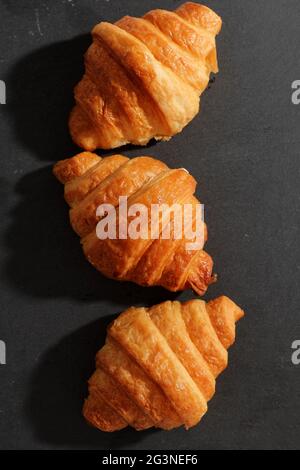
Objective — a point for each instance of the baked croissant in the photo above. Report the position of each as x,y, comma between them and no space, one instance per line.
159,365
91,181
144,76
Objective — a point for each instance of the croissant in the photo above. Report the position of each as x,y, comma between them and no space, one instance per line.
159,365
91,181
144,77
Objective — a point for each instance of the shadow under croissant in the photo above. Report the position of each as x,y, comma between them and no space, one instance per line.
41,98
45,258
58,387
41,85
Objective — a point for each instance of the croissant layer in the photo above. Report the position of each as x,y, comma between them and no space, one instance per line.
159,365
161,258
144,77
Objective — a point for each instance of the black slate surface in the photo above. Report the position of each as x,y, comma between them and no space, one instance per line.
244,151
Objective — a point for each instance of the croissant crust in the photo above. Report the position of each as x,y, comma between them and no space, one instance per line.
159,365
91,181
144,76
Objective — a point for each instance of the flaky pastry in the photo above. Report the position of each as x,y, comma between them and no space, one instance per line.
159,365
144,77
91,181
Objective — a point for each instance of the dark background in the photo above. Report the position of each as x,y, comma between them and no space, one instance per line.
244,151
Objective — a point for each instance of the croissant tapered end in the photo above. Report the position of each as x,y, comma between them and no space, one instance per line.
71,168
144,77
167,261
159,365
200,16
102,416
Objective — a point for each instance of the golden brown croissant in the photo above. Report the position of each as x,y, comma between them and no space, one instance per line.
91,181
144,76
159,365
